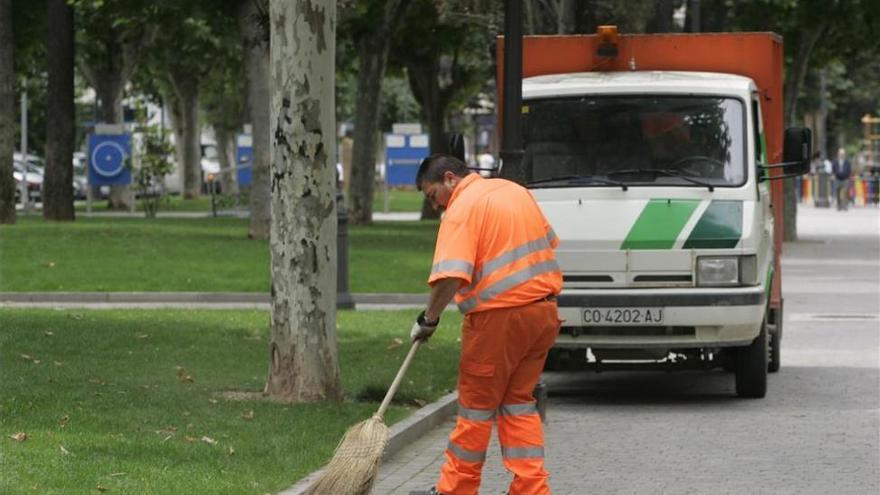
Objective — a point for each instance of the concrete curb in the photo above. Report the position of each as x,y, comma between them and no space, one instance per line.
402,434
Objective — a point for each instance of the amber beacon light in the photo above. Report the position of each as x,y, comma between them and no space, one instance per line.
607,41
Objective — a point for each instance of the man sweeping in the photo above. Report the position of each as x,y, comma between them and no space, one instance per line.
494,255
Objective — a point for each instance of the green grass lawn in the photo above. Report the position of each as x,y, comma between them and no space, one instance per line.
105,402
399,200
204,255
170,203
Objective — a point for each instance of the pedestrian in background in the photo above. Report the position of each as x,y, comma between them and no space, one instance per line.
494,255
842,169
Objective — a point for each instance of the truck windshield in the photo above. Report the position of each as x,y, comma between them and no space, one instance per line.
696,141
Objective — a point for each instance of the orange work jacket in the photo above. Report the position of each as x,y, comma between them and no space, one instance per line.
495,238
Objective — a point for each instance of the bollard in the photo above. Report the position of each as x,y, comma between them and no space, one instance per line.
343,297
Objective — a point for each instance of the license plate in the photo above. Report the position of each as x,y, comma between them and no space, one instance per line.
622,316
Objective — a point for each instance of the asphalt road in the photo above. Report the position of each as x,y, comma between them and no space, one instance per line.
817,431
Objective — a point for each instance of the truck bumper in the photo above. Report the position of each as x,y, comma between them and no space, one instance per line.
693,318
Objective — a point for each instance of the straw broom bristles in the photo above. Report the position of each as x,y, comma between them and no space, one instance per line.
355,463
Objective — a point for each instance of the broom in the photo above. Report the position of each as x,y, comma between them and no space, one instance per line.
355,463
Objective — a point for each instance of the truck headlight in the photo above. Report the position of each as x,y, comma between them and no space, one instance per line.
718,270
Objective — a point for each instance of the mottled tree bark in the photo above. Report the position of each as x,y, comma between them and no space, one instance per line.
7,113
60,128
254,25
303,363
226,158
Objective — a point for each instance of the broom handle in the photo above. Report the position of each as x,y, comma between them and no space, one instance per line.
397,379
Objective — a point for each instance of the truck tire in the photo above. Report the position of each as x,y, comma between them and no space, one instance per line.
554,361
751,367
775,344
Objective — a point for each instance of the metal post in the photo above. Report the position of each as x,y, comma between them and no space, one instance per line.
511,141
25,193
343,297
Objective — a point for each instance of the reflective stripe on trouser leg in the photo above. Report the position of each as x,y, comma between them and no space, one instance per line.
466,452
521,435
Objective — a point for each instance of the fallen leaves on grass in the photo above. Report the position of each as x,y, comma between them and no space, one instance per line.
101,488
209,440
395,343
97,381
59,363
142,336
75,316
188,439
27,357
63,450
230,451
19,437
420,402
183,376
249,414
50,264
48,333
64,420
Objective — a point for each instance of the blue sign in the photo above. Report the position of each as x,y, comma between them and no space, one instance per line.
244,158
403,154
108,155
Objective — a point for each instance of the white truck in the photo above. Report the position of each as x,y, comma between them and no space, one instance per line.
651,158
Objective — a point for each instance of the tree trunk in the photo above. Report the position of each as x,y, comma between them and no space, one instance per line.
226,157
565,17
422,77
372,58
258,102
60,130
792,87
661,21
185,85
7,113
302,355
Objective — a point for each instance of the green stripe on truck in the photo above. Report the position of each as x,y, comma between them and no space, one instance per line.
660,223
720,227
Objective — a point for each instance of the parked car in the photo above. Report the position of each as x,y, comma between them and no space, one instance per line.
32,175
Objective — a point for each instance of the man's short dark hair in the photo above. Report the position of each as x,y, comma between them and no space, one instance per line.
434,166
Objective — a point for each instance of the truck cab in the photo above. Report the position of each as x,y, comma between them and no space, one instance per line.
656,176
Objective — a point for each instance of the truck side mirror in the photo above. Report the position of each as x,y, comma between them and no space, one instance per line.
456,145
796,150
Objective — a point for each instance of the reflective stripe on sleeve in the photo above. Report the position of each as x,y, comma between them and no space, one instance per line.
517,409
453,266
551,236
467,455
475,414
521,452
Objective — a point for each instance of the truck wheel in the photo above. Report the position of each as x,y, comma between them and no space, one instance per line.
751,367
775,344
554,361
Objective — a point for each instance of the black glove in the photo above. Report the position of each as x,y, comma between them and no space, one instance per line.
423,329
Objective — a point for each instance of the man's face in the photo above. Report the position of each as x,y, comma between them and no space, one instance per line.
438,193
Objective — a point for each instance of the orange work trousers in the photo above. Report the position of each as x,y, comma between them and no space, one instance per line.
502,356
